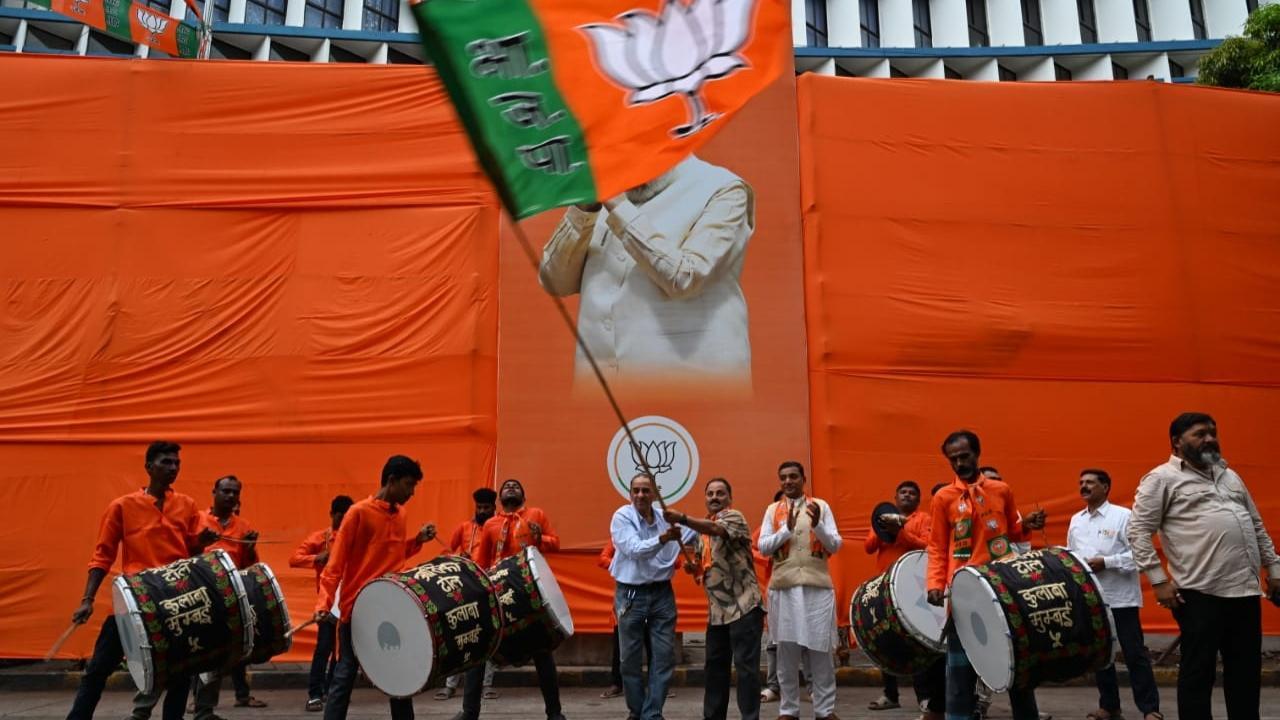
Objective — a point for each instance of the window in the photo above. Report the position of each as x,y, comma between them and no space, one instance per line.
323,14
1060,72
977,12
1197,19
1142,19
896,73
396,57
951,74
1119,72
5,38
815,22
869,16
382,15
280,51
221,11
223,50
1007,75
343,55
1250,5
158,5
38,39
264,12
923,23
101,43
1088,21
1032,31
1176,70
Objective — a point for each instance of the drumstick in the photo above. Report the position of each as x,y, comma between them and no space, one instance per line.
57,645
1043,537
306,624
242,541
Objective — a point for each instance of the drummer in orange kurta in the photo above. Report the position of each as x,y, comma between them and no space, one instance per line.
466,537
912,525
508,533
372,541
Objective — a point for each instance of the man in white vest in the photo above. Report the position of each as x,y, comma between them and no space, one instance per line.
657,270
799,533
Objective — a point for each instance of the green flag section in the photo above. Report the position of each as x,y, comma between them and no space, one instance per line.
571,101
133,22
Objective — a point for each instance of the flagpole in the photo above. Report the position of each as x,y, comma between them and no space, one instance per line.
569,322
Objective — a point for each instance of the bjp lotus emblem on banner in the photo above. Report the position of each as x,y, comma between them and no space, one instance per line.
154,24
675,52
665,446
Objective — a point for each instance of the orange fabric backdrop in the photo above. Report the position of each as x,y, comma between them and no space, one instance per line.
290,269
1061,267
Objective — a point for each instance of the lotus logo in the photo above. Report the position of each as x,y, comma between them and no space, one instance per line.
676,51
665,446
154,24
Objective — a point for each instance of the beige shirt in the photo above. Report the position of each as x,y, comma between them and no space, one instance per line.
659,280
1211,531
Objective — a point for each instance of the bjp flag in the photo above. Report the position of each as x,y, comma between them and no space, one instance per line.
135,22
572,101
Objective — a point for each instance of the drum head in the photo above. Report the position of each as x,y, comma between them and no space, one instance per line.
133,636
550,589
924,621
284,607
246,608
982,628
392,641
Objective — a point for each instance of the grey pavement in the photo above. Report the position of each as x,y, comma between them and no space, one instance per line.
580,703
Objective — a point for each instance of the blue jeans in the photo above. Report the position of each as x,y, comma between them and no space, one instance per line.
962,680
646,610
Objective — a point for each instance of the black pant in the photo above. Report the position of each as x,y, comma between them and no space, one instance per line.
344,679
1211,625
1145,694
932,683
322,663
107,654
737,643
890,686
548,683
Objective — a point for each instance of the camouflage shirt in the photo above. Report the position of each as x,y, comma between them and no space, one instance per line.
730,579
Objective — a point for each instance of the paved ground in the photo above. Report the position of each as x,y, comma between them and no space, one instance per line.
580,703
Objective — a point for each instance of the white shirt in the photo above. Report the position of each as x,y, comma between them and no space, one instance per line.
1104,533
638,557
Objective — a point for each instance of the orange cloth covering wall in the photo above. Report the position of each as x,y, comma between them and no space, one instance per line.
1060,267
290,269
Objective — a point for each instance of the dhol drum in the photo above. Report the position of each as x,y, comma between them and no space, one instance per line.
893,621
413,627
186,617
536,618
268,614
1032,618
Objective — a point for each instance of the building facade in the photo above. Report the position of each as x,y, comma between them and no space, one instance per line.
960,39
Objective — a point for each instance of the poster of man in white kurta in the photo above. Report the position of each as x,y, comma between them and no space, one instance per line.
658,273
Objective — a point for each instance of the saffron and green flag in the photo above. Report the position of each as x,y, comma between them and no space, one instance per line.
134,22
570,101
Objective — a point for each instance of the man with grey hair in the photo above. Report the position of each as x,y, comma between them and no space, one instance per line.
1216,544
657,271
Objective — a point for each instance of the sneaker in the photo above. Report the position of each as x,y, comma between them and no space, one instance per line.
883,703
767,695
315,705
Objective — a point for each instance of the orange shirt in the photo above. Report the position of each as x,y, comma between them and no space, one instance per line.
237,527
606,555
150,537
914,535
371,542
972,525
307,553
506,534
465,539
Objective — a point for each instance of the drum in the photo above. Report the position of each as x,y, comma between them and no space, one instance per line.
268,614
1032,618
893,621
411,628
183,618
536,618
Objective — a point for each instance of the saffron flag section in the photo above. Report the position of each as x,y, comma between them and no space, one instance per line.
575,101
133,22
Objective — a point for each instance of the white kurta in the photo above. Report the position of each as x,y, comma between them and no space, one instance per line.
802,615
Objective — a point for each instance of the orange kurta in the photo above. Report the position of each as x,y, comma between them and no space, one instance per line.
914,535
972,525
150,537
309,551
372,541
465,538
506,534
237,527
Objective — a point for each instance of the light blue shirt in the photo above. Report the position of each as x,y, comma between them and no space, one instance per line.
638,557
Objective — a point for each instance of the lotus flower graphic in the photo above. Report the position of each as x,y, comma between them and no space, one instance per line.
657,454
676,51
154,24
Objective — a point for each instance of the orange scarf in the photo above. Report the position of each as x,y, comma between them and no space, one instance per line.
511,523
781,510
